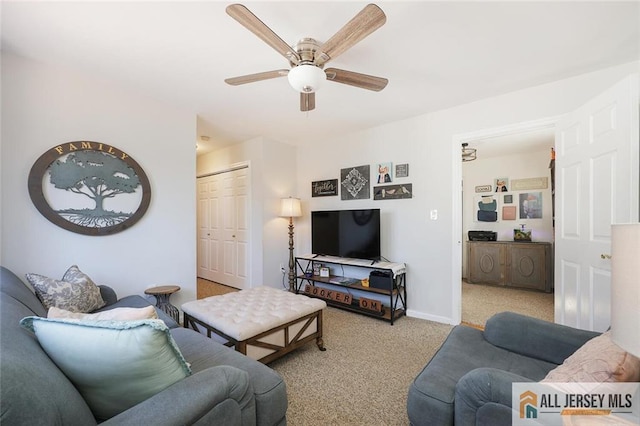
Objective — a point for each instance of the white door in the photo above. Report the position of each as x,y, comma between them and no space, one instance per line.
208,227
596,185
223,228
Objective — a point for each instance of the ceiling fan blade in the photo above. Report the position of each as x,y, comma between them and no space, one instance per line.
250,78
364,23
307,101
251,22
351,78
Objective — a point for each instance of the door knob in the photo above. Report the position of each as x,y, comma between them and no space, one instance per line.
605,256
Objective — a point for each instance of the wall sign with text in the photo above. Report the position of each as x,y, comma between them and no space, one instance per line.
90,188
324,188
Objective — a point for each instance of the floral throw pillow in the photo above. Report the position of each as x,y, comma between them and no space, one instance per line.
76,292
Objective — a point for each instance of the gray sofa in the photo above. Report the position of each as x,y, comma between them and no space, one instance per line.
468,381
226,387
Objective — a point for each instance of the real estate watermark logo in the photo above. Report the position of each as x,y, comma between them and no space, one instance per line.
528,405
575,403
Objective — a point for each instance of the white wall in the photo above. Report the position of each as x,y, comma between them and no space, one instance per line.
273,170
519,166
44,106
432,248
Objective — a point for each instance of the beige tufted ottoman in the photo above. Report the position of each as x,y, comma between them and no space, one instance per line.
263,323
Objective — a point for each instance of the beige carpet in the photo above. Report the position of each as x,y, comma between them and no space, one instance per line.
364,375
480,302
208,288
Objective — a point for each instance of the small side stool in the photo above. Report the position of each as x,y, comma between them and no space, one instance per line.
162,294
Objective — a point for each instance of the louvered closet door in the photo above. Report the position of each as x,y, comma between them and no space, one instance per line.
223,228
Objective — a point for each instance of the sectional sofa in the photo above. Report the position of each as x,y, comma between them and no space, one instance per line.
223,387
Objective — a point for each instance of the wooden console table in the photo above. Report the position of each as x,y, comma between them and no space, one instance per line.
349,292
511,264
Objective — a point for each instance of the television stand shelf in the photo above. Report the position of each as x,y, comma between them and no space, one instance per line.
348,293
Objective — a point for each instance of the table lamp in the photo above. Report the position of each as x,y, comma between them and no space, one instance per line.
290,207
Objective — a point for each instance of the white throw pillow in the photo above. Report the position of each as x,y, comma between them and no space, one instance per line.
114,364
76,292
116,314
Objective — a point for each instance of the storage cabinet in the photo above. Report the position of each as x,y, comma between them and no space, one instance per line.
512,264
384,298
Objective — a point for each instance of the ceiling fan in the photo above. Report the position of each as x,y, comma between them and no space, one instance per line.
308,57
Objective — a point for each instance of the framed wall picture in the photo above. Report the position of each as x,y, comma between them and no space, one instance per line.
90,188
531,205
501,184
402,170
384,172
355,183
393,192
508,212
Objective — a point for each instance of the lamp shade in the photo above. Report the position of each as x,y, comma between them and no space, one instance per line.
625,286
290,207
306,78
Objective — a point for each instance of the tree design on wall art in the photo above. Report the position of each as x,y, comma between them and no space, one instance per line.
98,176
89,187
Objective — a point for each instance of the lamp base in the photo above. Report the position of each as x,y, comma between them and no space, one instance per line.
292,272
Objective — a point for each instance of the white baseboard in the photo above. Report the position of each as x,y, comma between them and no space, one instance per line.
436,318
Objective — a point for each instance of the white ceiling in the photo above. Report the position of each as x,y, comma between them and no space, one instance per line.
435,55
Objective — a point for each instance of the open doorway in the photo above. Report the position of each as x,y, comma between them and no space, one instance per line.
508,186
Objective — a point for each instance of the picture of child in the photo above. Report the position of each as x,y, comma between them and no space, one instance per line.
383,173
501,184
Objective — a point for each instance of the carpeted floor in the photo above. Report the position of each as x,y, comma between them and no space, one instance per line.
364,375
208,288
480,302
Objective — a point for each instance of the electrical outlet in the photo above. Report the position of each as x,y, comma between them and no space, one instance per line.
282,270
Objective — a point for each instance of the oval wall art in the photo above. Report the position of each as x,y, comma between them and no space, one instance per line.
90,188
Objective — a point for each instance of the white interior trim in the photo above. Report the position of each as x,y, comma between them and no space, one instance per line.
231,168
458,140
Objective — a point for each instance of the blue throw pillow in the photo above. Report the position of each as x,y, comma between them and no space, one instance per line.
113,364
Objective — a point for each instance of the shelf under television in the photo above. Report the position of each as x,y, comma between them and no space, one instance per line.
393,308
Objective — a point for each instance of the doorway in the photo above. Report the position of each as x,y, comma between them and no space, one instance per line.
491,205
474,139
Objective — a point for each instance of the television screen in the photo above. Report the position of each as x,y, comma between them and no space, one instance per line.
346,233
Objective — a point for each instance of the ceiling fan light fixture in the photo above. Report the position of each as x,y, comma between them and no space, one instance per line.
306,78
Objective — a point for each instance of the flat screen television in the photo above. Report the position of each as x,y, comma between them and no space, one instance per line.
346,233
